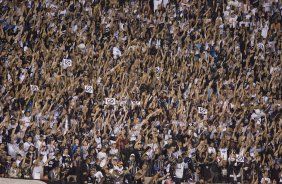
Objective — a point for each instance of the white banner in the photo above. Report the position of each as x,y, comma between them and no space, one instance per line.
122,102
66,63
88,89
110,101
239,158
135,103
202,110
34,88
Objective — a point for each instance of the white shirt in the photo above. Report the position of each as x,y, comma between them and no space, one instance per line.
44,153
223,153
37,172
39,143
98,141
179,170
265,180
12,150
156,4
26,120
98,175
211,150
18,162
27,145
113,151
266,7
264,32
101,155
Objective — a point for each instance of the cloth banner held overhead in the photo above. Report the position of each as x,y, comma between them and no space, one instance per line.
88,89
66,63
202,110
110,101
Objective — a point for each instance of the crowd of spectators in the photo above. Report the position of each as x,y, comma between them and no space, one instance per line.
141,91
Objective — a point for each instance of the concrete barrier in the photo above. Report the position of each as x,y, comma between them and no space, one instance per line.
19,181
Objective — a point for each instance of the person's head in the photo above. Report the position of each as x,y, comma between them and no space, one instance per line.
88,160
170,141
40,157
120,164
66,151
9,158
14,164
29,139
27,113
43,148
58,156
19,157
2,146
179,159
85,143
114,145
265,174
132,157
48,131
76,141
146,156
202,181
114,160
77,157
41,137
144,167
71,179
31,149
103,149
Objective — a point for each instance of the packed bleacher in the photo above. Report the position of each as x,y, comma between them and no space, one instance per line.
141,91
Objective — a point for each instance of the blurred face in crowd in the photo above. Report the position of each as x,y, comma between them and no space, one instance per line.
66,151
29,139
132,158
2,146
14,164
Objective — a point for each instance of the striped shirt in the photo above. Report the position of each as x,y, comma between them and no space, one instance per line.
160,164
133,168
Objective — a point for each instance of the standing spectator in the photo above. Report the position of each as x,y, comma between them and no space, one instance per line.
54,175
37,170
14,171
179,171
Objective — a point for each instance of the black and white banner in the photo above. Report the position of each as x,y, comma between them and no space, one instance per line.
88,89
110,101
239,158
202,110
66,63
